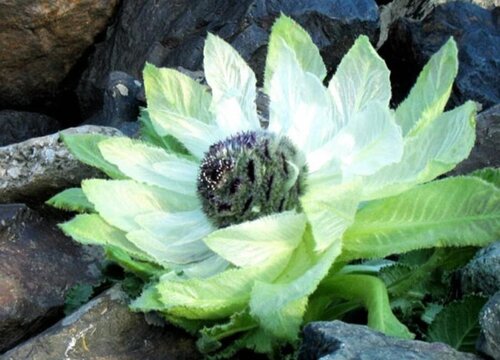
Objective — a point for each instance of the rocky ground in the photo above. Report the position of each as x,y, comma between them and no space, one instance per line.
76,67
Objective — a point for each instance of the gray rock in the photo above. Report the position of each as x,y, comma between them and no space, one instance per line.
105,329
482,273
38,264
17,126
41,42
172,34
489,319
340,341
35,169
411,43
485,151
120,103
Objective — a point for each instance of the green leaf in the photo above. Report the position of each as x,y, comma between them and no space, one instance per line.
489,174
91,229
167,142
151,165
373,293
255,242
119,202
434,150
85,148
458,324
394,274
178,106
132,285
77,296
430,94
149,300
143,269
256,340
191,326
430,312
280,306
211,337
362,77
72,199
287,31
233,87
462,211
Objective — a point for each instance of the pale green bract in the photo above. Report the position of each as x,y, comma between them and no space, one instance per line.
254,280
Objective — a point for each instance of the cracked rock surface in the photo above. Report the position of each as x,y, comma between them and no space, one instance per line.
39,167
106,329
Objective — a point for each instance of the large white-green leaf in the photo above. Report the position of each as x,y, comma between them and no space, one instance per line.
233,87
462,211
255,242
184,251
208,267
179,106
330,211
91,229
176,226
280,305
361,77
173,238
434,150
285,30
151,165
370,141
300,104
430,94
85,148
120,201
218,296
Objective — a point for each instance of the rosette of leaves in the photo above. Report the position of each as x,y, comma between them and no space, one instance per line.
239,229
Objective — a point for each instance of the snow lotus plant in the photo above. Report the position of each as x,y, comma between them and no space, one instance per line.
240,230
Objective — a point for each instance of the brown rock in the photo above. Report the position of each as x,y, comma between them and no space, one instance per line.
37,168
40,42
38,265
106,329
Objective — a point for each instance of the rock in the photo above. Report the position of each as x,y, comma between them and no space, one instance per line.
482,273
41,42
120,103
106,329
485,151
172,34
489,319
411,43
35,169
336,340
17,126
38,264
